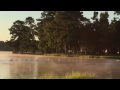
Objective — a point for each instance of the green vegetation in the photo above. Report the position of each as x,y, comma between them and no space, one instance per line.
78,75
87,56
67,32
23,36
4,46
73,75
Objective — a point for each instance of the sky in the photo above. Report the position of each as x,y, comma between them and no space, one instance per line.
8,17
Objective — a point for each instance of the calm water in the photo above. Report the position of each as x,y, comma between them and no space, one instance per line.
15,65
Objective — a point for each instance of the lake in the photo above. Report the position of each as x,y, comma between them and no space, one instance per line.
15,65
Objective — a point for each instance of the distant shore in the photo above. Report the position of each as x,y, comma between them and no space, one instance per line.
86,56
77,55
64,55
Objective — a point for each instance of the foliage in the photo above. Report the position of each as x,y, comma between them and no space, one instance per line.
23,36
60,31
4,46
73,75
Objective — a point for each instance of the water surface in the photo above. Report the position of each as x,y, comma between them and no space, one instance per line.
15,65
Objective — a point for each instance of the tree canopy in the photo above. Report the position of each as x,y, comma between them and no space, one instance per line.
60,31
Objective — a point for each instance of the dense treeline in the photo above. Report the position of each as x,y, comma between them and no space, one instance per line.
66,31
23,36
4,46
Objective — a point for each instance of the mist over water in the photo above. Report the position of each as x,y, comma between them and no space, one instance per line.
15,65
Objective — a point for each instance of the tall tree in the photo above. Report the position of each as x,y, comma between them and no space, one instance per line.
67,28
43,32
31,34
17,32
60,30
114,35
96,34
22,38
104,24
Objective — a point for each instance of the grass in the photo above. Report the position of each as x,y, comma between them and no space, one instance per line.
80,56
78,75
87,56
72,75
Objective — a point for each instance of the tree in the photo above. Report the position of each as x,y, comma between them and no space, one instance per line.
31,34
96,34
23,36
104,24
17,32
43,30
68,24
114,35
60,30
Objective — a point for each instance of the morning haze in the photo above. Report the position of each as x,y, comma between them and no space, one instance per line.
59,45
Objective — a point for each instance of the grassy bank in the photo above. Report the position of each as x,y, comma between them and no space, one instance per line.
87,56
78,55
72,75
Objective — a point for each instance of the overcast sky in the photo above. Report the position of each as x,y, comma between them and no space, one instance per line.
8,17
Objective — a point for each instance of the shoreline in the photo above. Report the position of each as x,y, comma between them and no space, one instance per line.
63,55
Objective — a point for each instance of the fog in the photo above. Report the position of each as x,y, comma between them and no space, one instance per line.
15,65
